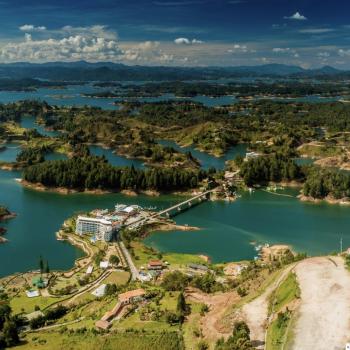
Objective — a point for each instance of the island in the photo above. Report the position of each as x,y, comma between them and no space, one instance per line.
5,214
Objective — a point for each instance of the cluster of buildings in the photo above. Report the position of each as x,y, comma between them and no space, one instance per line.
103,224
124,299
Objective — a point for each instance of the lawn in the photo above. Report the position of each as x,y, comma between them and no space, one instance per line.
21,303
286,292
117,277
90,341
278,332
144,254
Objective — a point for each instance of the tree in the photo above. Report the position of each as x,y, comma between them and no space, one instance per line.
239,340
47,267
111,289
182,308
10,333
5,311
41,265
114,260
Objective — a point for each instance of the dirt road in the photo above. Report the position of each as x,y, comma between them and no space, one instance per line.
255,313
324,314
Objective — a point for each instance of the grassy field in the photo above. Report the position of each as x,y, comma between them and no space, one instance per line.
278,333
117,277
144,254
90,341
21,303
320,151
287,291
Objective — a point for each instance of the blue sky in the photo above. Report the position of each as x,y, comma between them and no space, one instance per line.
308,33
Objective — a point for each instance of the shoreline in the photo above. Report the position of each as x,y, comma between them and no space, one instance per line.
127,192
328,200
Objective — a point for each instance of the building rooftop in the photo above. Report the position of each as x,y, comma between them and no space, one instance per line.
131,294
98,220
198,267
155,263
102,324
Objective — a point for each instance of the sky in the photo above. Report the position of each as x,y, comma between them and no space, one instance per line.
307,33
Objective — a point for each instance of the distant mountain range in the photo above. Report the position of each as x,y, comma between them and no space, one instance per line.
106,71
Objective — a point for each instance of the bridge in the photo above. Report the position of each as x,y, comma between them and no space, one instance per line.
187,203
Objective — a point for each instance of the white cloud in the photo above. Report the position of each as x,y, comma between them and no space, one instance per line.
186,41
316,30
297,16
181,41
281,50
239,48
93,44
31,28
324,54
70,48
344,53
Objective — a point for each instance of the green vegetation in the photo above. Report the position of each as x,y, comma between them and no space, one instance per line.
188,89
177,281
321,183
3,211
92,172
274,168
286,292
281,305
239,340
8,324
278,331
83,339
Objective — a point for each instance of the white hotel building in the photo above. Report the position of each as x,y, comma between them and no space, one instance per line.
101,228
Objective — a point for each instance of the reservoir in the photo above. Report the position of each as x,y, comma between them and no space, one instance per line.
228,230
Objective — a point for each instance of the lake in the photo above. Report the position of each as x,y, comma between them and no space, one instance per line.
227,229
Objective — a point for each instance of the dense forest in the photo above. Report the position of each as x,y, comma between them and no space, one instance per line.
189,89
321,183
92,172
273,168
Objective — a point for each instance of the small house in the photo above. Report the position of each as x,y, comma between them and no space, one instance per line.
104,264
198,267
155,265
132,296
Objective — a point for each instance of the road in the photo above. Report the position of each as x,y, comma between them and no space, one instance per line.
133,269
323,319
88,288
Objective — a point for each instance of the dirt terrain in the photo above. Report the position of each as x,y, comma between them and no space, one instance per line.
324,314
218,303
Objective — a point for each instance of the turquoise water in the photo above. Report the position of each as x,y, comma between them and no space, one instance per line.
229,228
9,154
304,161
40,215
206,159
115,159
30,123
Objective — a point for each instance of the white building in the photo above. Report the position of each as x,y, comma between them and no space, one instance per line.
102,229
